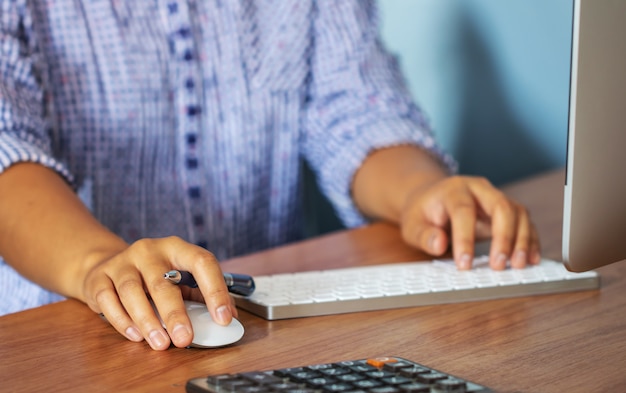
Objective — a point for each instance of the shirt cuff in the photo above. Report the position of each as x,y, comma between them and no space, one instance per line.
341,167
14,150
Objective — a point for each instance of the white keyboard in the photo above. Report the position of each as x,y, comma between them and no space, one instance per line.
367,288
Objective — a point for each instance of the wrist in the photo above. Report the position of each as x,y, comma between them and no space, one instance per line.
390,176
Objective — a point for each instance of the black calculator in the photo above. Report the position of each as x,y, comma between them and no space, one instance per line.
377,375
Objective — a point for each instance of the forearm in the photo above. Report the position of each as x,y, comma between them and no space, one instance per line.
388,176
46,233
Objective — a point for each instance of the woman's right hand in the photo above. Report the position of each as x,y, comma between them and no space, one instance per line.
121,286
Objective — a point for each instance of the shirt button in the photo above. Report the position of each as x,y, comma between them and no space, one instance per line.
192,139
194,192
198,220
192,163
193,110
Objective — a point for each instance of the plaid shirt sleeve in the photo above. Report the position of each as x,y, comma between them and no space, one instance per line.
358,102
23,135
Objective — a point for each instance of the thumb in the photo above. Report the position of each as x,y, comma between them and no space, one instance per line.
424,225
426,237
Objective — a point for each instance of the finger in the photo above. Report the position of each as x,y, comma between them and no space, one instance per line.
117,294
428,238
196,296
423,226
504,225
462,211
503,215
209,277
521,251
534,247
111,309
173,313
131,291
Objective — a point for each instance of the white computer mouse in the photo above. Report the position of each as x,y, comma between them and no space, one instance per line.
206,332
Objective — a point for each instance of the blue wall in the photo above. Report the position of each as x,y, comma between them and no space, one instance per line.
492,75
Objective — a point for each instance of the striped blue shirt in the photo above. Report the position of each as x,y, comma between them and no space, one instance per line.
192,118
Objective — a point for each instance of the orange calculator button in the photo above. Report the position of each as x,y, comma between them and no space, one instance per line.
379,362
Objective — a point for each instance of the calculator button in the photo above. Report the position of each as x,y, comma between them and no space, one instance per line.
384,389
379,374
450,385
416,387
396,366
380,362
261,378
286,387
367,383
431,378
362,368
335,371
413,372
396,380
350,377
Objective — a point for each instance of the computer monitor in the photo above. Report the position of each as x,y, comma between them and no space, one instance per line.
594,219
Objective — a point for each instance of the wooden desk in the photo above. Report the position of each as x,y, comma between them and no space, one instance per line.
573,342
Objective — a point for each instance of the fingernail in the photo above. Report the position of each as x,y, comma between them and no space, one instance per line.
133,334
465,262
180,333
157,339
223,315
520,258
500,262
431,242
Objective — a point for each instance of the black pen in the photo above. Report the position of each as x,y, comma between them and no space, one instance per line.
240,284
